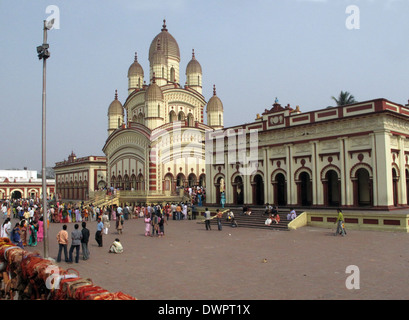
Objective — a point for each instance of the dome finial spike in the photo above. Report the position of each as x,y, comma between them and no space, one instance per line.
164,25
214,89
116,94
154,78
193,53
136,57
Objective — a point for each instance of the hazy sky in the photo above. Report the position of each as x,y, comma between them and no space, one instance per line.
300,51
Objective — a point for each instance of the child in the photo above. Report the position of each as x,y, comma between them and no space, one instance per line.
147,226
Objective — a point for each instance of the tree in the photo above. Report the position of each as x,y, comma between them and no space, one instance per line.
344,98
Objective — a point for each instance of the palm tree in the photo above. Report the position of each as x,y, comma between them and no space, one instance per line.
344,98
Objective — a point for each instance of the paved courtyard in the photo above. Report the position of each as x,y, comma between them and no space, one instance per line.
190,263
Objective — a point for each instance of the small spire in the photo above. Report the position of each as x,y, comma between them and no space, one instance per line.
193,53
154,78
136,57
164,25
116,94
214,89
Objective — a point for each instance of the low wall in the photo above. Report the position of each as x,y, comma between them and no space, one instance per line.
356,220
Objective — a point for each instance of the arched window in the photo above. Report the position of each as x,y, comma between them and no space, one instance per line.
190,120
181,116
172,75
172,116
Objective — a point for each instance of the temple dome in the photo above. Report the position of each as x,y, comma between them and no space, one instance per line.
168,44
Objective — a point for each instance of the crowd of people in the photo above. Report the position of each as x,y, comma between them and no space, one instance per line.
29,229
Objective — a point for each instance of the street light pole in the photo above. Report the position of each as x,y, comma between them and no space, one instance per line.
44,55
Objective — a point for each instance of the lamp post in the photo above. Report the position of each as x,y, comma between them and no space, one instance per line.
43,54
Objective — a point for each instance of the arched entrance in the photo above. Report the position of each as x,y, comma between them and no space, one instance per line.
191,180
304,189
362,188
238,190
258,190
331,188
280,190
395,179
202,180
220,187
168,184
407,186
16,194
180,180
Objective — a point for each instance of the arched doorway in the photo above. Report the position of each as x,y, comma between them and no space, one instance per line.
280,190
127,184
238,190
168,184
258,190
16,194
304,189
190,120
407,186
180,180
202,180
220,187
395,180
191,180
332,188
140,182
172,116
362,188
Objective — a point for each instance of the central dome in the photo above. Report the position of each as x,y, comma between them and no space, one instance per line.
168,44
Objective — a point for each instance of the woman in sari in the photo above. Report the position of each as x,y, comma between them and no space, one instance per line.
16,236
23,230
40,234
32,240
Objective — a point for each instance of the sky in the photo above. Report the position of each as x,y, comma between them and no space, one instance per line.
301,51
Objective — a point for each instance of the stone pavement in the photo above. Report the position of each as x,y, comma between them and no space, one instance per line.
190,263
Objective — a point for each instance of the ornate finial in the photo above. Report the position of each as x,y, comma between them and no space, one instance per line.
154,78
164,25
116,94
214,89
136,57
193,53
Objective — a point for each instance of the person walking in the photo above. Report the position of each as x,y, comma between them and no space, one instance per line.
161,223
219,216
105,221
207,219
84,241
120,223
340,224
62,238
98,233
76,236
32,240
